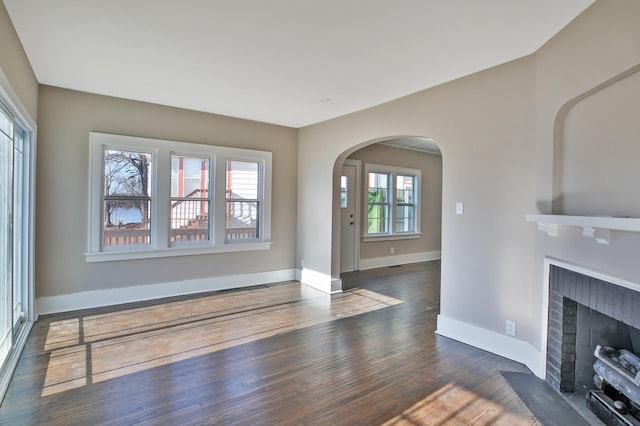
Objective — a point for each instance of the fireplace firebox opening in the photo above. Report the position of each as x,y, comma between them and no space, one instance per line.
586,313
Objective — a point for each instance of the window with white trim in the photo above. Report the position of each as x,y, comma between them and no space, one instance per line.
392,201
157,198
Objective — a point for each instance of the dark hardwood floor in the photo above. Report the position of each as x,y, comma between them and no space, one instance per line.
279,354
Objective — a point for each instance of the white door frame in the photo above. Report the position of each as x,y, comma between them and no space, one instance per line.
21,116
357,210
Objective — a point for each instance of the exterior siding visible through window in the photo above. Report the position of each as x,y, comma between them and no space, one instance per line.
405,206
243,200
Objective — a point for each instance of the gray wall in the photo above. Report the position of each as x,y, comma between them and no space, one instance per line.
430,199
67,117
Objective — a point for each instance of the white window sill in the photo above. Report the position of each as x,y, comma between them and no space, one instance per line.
408,236
110,256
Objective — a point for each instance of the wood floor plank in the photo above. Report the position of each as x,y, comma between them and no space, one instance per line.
281,354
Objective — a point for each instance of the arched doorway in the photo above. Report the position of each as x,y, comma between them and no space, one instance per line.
387,205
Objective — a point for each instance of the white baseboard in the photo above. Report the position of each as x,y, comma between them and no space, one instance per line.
116,296
401,259
499,344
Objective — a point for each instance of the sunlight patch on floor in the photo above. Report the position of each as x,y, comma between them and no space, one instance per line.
456,405
95,348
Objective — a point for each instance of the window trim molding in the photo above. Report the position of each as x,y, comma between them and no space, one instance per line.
162,150
393,171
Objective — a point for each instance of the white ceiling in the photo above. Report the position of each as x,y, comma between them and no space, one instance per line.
289,62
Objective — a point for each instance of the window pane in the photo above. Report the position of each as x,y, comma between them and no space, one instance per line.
343,192
126,222
242,220
175,167
405,218
127,173
404,189
6,125
6,252
378,187
242,200
189,176
378,203
189,220
377,217
189,179
242,180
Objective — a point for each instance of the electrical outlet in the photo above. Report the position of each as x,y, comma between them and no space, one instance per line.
302,263
459,208
510,328
393,250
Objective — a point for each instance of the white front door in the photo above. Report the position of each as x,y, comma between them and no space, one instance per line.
348,237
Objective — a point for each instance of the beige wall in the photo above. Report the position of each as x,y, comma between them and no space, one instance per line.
484,125
587,136
67,117
501,134
601,134
16,67
514,140
430,199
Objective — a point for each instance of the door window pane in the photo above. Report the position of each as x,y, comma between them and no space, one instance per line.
6,246
343,191
6,125
20,262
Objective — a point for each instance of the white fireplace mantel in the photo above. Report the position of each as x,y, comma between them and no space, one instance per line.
597,227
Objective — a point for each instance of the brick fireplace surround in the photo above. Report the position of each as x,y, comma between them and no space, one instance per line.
567,289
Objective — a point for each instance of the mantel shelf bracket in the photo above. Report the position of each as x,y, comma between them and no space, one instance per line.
602,236
550,228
